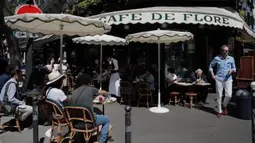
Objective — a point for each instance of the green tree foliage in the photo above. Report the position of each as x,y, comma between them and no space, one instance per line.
92,7
12,42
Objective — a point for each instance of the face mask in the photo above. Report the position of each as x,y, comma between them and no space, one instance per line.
64,61
52,61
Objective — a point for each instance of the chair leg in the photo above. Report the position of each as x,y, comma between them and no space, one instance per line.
51,132
147,103
59,134
175,100
191,101
169,100
71,137
138,103
18,125
151,99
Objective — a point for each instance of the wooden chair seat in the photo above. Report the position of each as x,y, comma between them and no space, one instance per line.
174,93
191,94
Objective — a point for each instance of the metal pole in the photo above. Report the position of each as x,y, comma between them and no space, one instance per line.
61,53
128,124
101,62
253,112
159,100
103,108
35,120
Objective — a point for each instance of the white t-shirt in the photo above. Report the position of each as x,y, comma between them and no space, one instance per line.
56,94
171,77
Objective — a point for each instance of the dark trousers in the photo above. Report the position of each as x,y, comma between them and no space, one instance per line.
167,91
202,93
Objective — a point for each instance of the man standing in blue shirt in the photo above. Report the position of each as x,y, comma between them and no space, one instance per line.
225,66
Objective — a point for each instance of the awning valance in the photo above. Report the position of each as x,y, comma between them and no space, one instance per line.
187,15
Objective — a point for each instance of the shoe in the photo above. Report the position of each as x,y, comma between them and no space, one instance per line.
46,123
225,112
206,103
219,115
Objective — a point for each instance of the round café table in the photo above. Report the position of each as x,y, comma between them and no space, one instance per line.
185,86
104,100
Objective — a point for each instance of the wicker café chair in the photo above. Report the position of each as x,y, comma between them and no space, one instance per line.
58,119
81,120
16,115
144,91
125,89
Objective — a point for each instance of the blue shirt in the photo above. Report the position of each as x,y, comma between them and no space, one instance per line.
223,66
3,79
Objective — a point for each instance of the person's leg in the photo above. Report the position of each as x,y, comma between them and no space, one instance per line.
219,88
166,95
105,122
25,111
199,92
204,92
112,85
228,94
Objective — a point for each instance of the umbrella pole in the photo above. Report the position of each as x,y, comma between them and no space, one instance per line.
159,98
61,53
159,109
101,61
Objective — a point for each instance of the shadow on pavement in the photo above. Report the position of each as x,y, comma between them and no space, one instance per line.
11,123
211,110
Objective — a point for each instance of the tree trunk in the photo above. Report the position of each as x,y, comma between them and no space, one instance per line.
13,44
1,23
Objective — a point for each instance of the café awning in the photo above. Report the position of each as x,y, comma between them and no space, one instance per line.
226,17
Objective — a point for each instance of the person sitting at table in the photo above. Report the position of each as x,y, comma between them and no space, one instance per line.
83,95
198,77
148,77
171,79
10,94
54,92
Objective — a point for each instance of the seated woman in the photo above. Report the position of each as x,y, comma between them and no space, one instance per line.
53,92
199,77
83,95
171,79
148,77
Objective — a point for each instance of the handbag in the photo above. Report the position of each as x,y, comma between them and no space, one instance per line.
8,107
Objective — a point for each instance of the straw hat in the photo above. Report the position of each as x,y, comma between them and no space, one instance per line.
53,77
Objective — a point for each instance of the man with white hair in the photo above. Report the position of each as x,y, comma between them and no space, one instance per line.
223,78
199,77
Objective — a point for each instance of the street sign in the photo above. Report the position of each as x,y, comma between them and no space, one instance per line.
19,34
26,8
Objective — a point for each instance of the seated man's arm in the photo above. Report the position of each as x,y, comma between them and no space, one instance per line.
205,79
96,91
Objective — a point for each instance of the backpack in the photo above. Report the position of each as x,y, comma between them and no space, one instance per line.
7,106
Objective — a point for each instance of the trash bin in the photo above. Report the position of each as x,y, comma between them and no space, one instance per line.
243,104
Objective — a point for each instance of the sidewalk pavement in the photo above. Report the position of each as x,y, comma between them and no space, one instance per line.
180,125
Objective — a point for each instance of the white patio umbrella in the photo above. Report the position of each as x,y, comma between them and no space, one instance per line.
57,24
101,40
159,36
